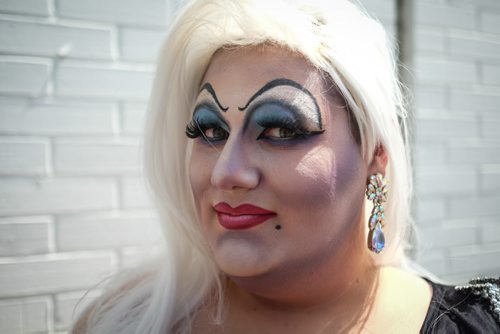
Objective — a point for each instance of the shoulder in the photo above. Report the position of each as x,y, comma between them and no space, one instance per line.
471,308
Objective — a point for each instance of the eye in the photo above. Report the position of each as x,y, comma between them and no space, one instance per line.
280,133
207,124
215,133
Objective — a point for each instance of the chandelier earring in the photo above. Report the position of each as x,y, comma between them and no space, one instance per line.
376,191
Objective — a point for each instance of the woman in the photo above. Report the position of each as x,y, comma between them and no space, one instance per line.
269,123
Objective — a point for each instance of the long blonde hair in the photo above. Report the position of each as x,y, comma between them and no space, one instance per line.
337,37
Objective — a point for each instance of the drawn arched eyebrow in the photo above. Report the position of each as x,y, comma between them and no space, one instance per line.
208,87
281,82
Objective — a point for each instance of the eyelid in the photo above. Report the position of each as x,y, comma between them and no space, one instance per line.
293,94
293,112
207,105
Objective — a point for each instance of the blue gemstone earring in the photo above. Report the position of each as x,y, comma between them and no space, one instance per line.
376,191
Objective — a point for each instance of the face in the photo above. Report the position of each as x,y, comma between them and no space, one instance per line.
276,175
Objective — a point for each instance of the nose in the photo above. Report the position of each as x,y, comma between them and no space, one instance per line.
235,168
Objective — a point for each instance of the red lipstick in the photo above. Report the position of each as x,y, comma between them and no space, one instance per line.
241,217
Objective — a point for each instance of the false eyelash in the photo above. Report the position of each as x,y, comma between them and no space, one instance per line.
193,130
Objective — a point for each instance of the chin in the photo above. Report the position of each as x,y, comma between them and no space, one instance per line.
242,260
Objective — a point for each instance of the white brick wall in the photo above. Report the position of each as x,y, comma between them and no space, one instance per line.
47,39
457,86
42,274
20,116
95,158
109,81
133,12
28,76
21,196
74,82
28,7
23,157
25,315
25,235
105,231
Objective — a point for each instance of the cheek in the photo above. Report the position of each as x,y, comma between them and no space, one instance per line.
305,183
316,175
324,186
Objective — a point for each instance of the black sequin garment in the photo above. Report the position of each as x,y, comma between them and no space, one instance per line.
471,308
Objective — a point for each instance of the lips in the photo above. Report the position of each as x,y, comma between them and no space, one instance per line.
242,217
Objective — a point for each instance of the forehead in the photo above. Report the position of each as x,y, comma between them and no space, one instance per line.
251,67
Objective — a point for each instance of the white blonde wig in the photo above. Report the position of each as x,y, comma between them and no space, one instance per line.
353,52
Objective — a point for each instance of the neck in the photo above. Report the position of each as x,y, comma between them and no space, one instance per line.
342,297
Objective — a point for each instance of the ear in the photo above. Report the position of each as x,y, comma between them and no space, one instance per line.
379,161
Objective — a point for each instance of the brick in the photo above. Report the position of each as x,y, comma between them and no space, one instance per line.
490,178
56,118
474,101
478,206
135,12
474,153
13,104
430,97
428,155
490,232
69,305
140,44
429,40
134,194
444,71
77,158
24,235
478,263
474,46
430,210
434,260
490,125
56,195
442,15
47,39
491,5
454,234
491,74
446,126
54,273
28,77
446,180
106,231
490,22
132,257
25,315
28,7
133,118
108,82
23,157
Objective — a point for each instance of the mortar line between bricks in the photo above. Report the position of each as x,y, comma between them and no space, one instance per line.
52,8
51,314
50,157
115,43
52,243
117,120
